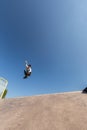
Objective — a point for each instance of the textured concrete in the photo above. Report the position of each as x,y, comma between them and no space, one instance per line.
66,111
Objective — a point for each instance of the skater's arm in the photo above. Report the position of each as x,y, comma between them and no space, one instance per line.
26,65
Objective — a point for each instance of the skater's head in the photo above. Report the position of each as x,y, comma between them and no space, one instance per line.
29,65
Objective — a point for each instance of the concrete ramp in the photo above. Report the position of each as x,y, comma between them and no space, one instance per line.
66,111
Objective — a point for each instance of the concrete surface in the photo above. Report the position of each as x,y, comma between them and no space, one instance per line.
66,111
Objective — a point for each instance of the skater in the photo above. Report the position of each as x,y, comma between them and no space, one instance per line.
28,70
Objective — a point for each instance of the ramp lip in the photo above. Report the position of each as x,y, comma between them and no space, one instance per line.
60,93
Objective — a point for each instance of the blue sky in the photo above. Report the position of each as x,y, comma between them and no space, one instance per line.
52,36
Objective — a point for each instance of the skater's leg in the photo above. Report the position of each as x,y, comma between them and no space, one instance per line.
25,77
25,72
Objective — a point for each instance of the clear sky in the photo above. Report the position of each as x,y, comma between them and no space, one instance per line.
52,36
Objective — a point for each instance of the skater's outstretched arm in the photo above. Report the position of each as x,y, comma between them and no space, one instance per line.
26,64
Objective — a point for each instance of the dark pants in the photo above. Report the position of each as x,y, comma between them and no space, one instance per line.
26,74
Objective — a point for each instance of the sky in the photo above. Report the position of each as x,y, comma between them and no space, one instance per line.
52,36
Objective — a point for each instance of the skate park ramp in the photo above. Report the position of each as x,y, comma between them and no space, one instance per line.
65,111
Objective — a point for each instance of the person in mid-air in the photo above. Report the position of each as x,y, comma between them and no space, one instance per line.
28,70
